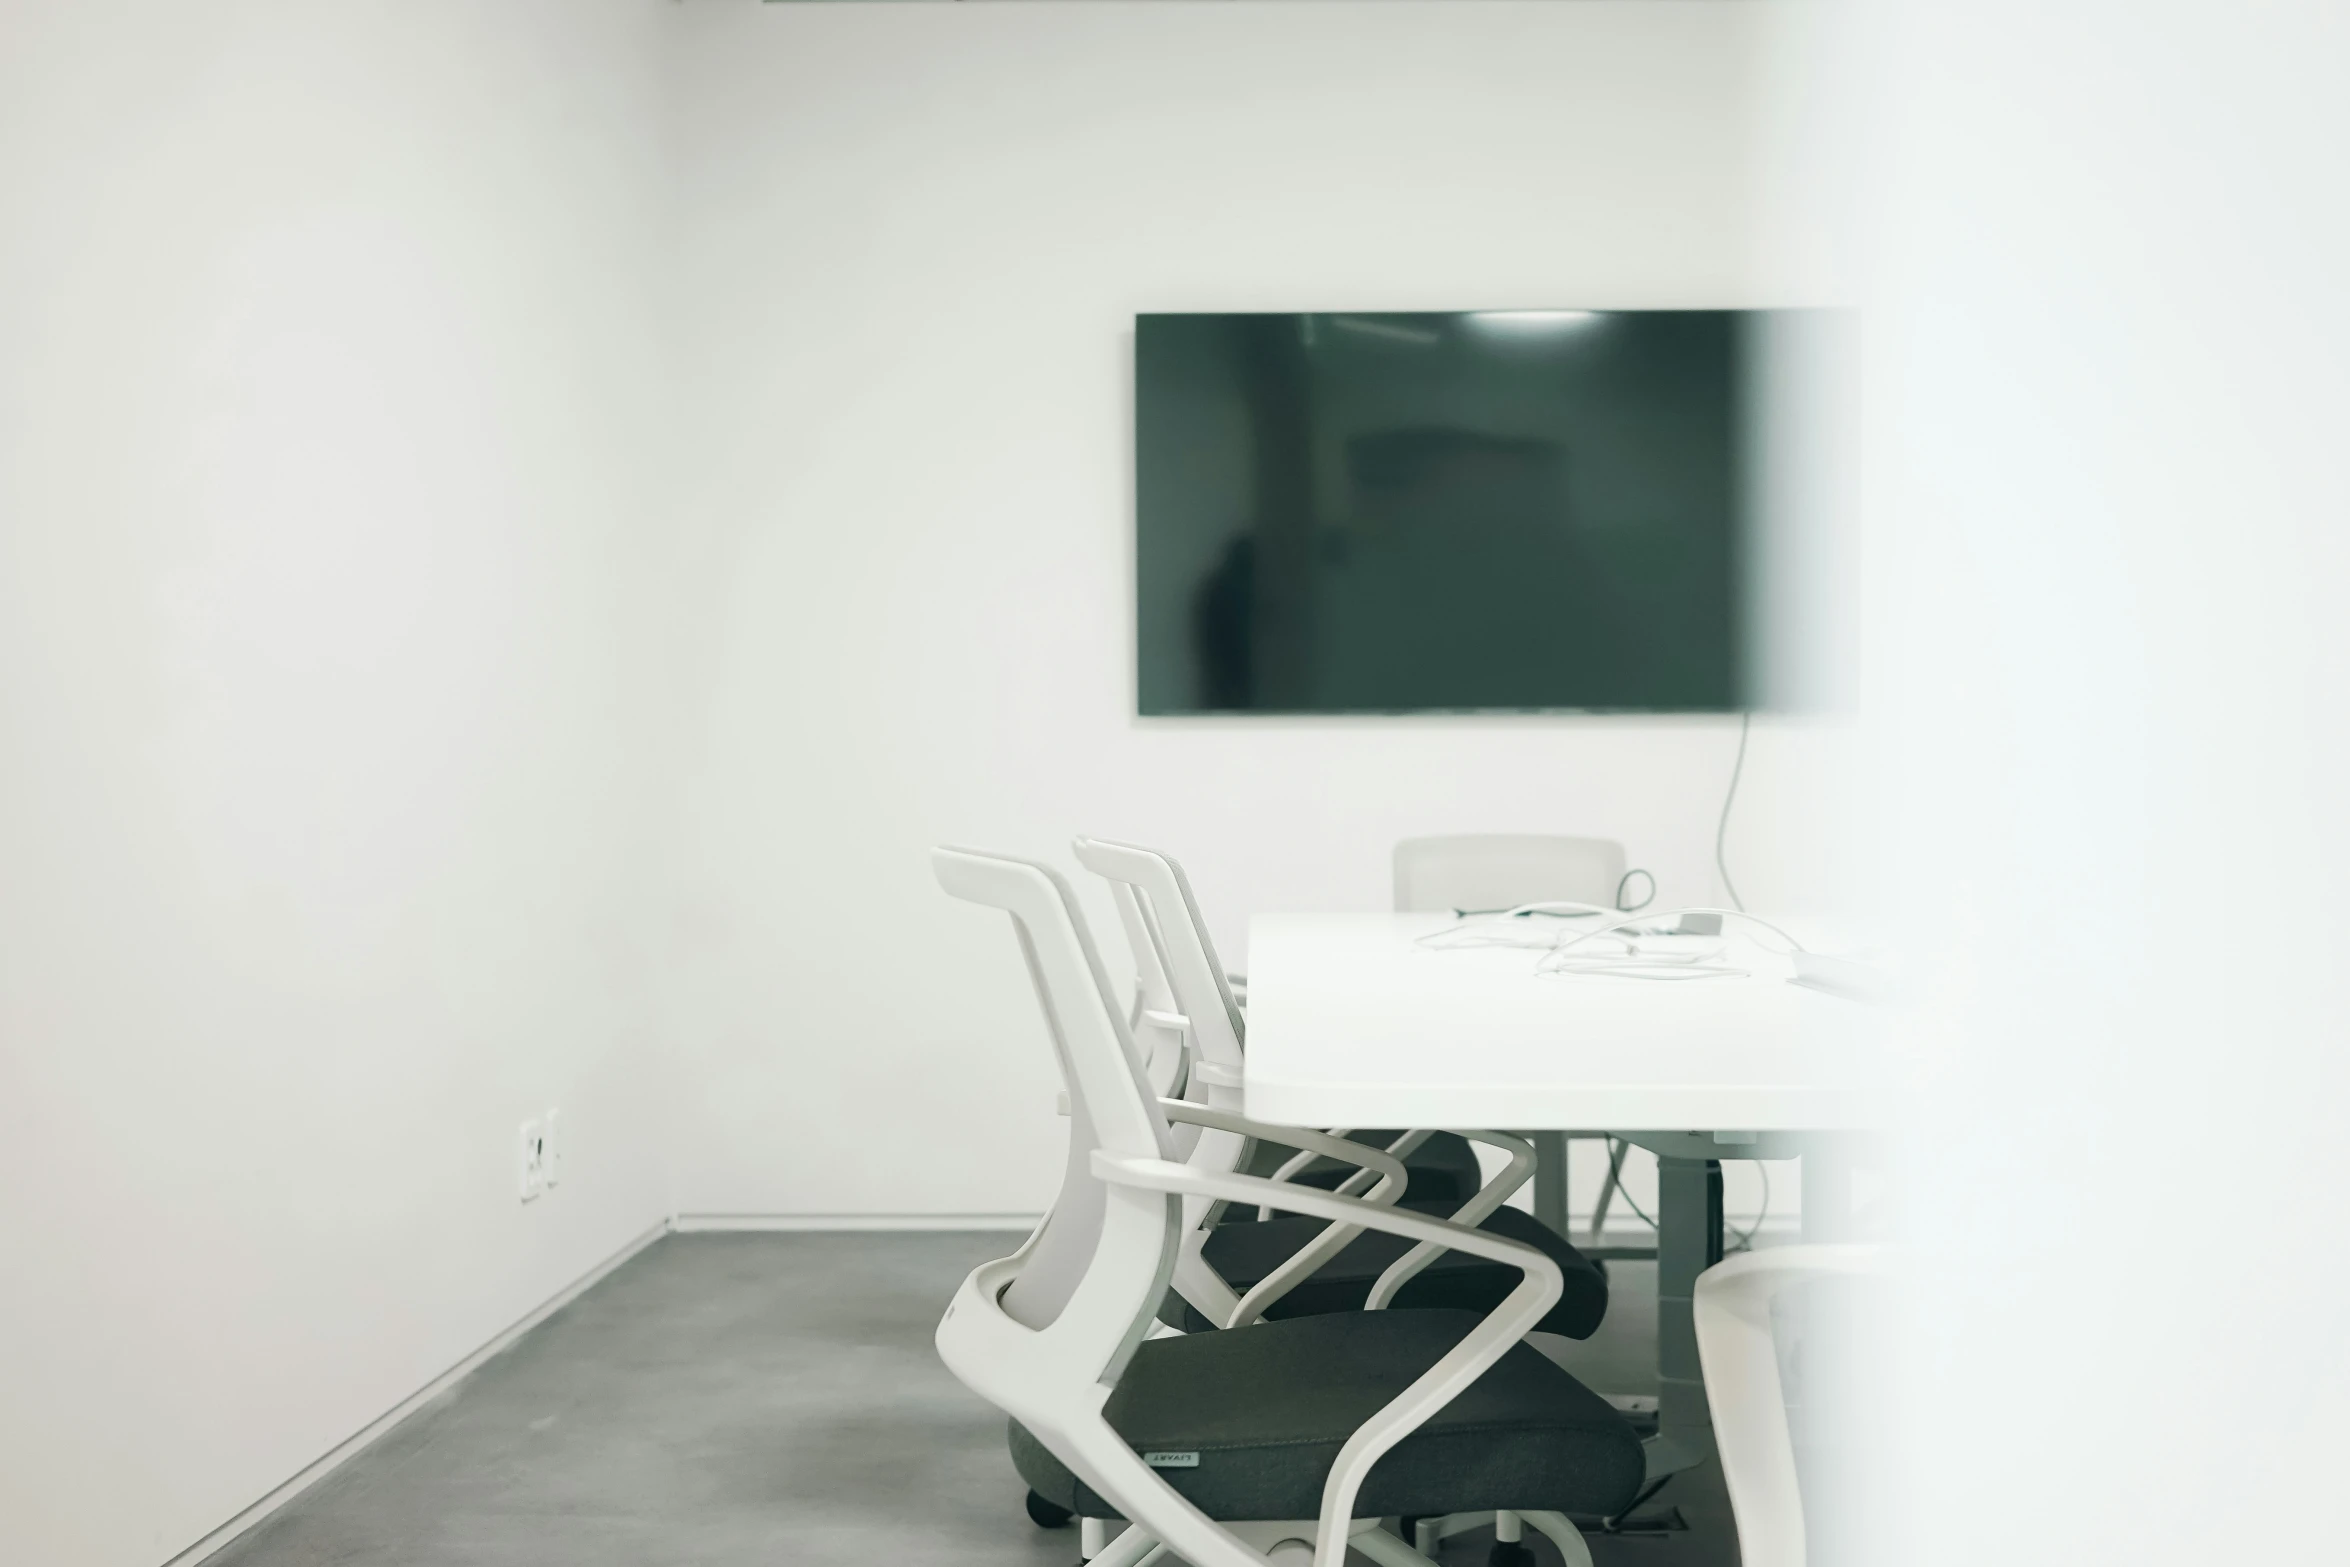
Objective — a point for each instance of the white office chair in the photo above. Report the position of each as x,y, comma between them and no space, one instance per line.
1487,872
1234,1272
1732,1308
1169,935
1292,1267
1273,1444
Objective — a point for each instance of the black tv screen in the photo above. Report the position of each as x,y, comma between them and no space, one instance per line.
1513,510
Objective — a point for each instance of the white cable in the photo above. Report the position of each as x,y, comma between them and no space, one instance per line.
1506,930
1581,936
1730,795
1494,931
1636,964
1632,963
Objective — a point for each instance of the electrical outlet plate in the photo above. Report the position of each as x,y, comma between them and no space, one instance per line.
531,1161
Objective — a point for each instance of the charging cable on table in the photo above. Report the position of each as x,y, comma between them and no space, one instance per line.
1626,958
1634,962
1503,927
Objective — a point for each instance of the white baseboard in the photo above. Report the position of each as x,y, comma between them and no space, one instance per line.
227,1534
708,1223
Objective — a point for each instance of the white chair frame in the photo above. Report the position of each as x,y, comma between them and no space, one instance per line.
1173,962
1056,1376
1160,1030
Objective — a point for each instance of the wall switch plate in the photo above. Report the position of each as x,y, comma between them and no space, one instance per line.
550,1150
530,1156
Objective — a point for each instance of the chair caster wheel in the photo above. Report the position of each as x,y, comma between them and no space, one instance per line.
1509,1553
1046,1515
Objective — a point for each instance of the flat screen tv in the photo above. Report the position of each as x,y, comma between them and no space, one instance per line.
1485,510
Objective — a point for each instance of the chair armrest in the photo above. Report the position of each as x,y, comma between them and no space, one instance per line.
1166,1068
1215,1076
1403,1147
1470,1214
1378,1162
1310,1258
1732,1310
1434,1388
1291,1168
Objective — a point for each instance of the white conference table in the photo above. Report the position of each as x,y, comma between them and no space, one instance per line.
1353,1022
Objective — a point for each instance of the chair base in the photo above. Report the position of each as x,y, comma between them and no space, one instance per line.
1509,1549
1291,1540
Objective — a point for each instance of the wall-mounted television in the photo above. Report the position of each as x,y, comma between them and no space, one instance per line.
1475,511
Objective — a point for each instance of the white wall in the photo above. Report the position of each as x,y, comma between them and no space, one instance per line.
914,241
349,629
333,645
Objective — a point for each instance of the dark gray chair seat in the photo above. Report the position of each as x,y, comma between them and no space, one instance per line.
1245,1253
1264,1410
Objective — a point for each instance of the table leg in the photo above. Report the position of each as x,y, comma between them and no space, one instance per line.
1688,1241
1550,1179
1827,1189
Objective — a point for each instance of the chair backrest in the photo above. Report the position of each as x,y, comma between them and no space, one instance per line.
1180,935
1110,1105
1756,1449
1503,870
1161,1045
1168,920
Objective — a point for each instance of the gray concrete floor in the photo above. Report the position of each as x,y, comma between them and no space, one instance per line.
770,1399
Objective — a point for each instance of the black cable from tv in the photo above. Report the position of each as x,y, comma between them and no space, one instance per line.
1746,1236
1624,1191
